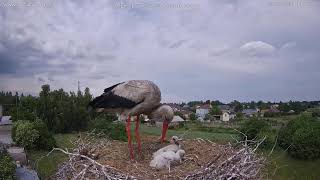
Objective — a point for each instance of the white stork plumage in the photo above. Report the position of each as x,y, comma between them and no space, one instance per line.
133,98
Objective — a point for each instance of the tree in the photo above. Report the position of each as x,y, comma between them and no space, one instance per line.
239,116
178,113
7,166
216,103
193,117
252,105
215,110
237,106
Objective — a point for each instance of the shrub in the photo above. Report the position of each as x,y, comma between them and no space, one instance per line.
33,135
253,127
270,135
272,114
115,130
259,128
26,135
302,136
118,131
7,167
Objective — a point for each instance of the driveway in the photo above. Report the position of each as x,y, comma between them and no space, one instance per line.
5,137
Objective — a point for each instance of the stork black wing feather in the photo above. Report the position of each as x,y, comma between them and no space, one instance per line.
110,100
111,87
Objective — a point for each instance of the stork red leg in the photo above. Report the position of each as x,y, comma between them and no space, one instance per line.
138,135
165,126
129,137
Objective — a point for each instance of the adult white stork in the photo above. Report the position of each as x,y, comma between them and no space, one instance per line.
133,98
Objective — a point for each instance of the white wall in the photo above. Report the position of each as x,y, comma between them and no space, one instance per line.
202,112
225,117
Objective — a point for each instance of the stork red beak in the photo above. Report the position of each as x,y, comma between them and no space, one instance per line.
164,130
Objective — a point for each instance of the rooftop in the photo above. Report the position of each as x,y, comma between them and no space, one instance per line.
204,106
177,119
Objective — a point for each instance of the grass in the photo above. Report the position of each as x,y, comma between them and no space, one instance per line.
47,165
293,169
283,118
221,135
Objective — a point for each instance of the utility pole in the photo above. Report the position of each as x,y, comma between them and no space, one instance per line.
17,107
79,91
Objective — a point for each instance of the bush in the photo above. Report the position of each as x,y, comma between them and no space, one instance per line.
46,140
26,135
302,136
272,114
254,126
259,128
7,167
33,135
115,130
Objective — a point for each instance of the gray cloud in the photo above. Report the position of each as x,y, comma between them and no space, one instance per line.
220,50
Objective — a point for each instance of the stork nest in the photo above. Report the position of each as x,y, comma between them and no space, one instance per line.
96,158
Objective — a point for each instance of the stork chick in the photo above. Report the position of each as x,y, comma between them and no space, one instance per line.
174,146
164,159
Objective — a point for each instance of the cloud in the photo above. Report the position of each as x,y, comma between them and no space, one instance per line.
257,48
190,53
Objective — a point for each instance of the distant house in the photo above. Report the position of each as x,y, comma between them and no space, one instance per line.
202,111
177,121
186,113
226,116
274,109
186,106
291,111
224,107
175,107
250,112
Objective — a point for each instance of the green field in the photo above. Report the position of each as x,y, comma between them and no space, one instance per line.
221,135
287,168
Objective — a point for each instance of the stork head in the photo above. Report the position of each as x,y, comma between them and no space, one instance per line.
162,113
175,140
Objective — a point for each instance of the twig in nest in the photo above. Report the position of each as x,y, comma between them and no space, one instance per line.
243,164
82,165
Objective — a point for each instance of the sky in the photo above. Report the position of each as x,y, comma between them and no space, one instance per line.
192,49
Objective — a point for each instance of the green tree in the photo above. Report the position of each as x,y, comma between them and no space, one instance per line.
7,167
178,113
193,117
215,110
237,106
26,135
